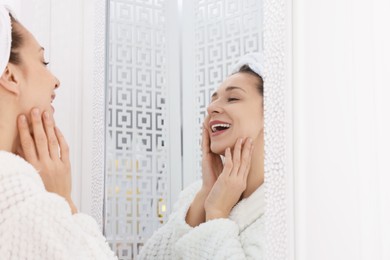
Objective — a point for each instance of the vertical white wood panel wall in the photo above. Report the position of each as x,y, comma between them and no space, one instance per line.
341,88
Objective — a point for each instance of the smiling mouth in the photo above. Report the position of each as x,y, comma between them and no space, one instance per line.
219,127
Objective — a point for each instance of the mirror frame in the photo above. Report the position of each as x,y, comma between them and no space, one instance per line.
277,113
278,134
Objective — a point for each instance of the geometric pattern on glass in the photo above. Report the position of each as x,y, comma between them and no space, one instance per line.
137,176
225,30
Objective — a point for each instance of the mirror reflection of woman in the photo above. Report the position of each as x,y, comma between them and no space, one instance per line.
38,219
221,216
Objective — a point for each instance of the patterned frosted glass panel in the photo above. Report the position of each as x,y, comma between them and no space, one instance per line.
225,30
137,175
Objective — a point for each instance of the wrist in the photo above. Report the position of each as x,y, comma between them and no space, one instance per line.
196,213
215,214
204,191
72,206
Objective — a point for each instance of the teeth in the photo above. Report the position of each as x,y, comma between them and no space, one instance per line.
214,127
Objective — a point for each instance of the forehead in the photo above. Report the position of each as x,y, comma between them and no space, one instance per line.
29,41
245,81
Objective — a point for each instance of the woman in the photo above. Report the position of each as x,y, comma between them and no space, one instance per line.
38,219
220,217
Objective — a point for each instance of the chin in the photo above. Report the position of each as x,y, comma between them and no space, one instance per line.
219,149
216,149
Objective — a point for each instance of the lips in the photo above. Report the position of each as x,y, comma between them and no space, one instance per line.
218,127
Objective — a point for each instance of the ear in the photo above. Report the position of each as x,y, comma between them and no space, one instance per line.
9,80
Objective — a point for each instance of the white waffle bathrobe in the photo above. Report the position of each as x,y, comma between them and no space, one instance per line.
241,236
36,224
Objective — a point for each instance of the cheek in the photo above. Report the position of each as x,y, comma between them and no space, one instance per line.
250,127
33,98
219,145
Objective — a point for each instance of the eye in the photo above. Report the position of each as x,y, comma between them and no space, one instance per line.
232,99
45,63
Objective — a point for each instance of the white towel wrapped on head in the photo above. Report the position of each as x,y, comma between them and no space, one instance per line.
5,37
254,60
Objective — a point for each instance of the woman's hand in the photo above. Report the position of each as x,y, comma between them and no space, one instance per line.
211,163
48,152
231,183
211,168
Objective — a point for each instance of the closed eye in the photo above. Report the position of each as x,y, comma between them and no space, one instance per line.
232,99
45,63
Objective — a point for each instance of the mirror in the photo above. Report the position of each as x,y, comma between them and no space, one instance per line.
164,60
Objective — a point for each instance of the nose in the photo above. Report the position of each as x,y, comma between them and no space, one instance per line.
214,108
57,82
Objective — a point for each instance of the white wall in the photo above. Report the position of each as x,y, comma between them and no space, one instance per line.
341,71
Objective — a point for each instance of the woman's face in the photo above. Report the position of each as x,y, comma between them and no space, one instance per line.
235,111
36,82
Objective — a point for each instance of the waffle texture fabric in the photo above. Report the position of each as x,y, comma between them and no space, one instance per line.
36,224
241,236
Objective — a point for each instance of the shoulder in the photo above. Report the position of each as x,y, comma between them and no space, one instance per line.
187,194
19,181
255,232
252,239
15,172
184,201
191,189
12,164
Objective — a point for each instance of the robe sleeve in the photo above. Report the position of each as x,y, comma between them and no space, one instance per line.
220,239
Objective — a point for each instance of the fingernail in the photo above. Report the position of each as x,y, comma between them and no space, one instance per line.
250,140
35,112
46,115
23,119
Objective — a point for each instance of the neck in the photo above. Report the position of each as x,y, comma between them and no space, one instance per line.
8,130
256,172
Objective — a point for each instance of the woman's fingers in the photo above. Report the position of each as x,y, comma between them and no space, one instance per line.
64,148
205,141
51,135
26,141
246,158
19,151
205,137
237,156
39,134
241,157
228,165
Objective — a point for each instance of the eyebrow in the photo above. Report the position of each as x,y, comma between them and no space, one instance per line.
230,88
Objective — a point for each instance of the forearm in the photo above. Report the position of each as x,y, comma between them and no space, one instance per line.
196,213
